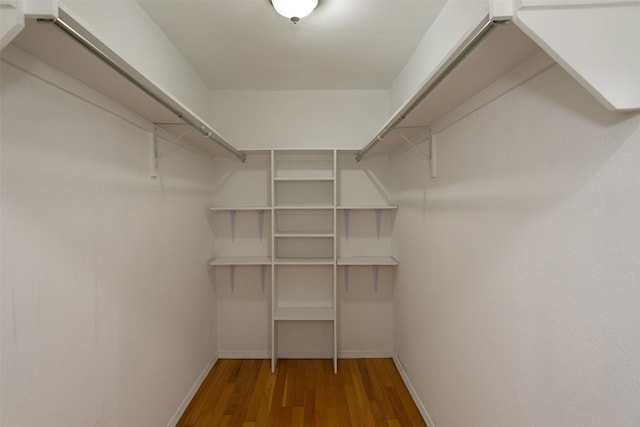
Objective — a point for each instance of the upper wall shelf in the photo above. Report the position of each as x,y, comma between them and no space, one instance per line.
498,50
499,54
48,42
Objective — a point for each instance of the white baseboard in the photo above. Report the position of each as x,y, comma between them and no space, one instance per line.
185,403
412,391
381,354
349,354
305,355
243,355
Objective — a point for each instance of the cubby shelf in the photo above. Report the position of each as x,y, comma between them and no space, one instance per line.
304,313
303,179
304,261
301,235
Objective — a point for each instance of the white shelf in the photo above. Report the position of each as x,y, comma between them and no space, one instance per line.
303,207
294,235
367,260
304,179
241,260
304,313
304,261
239,208
372,208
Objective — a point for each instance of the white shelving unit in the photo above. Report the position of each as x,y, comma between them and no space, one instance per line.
306,213
304,241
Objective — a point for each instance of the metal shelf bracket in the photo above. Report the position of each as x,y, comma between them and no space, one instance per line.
346,278
261,226
153,153
376,275
232,277
347,217
263,276
232,220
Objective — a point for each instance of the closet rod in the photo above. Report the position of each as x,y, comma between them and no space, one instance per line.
478,34
185,117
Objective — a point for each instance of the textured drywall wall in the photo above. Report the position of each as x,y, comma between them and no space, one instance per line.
517,302
107,307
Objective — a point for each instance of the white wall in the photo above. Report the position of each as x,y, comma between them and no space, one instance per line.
345,119
517,302
107,308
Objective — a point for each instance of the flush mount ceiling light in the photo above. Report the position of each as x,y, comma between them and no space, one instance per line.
294,9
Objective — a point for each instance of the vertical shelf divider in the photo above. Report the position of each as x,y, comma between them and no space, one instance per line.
274,326
335,266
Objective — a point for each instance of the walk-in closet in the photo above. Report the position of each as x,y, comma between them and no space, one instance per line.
397,213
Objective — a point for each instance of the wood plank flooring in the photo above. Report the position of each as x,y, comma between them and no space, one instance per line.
244,393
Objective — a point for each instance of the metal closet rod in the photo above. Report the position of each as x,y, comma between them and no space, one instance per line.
480,32
185,117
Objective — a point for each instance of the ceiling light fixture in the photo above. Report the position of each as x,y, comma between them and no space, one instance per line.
294,9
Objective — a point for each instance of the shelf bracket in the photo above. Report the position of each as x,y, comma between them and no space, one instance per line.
378,222
347,216
232,220
153,153
232,277
430,155
376,274
346,278
261,224
263,276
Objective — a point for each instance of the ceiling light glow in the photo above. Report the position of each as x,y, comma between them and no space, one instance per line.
294,9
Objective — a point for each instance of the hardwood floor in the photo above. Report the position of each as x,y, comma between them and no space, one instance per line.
244,393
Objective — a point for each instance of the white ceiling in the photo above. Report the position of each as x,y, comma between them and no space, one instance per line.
343,44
